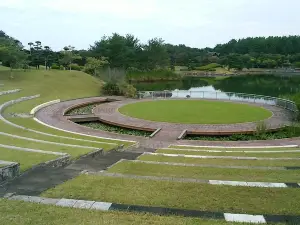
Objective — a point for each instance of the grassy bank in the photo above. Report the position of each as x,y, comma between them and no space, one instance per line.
221,162
24,213
175,195
145,169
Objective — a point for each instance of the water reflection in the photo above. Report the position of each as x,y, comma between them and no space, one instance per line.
251,84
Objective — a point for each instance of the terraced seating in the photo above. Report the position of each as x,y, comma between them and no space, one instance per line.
31,147
222,180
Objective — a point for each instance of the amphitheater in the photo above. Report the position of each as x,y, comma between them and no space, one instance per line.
47,157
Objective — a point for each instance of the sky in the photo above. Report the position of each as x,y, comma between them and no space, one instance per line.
195,23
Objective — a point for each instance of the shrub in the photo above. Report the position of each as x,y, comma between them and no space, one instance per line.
75,66
55,66
127,90
110,89
261,128
123,89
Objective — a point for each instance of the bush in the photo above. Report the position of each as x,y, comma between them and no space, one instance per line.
261,128
127,90
110,89
123,89
75,66
55,66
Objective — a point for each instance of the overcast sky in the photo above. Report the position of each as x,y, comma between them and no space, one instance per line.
196,23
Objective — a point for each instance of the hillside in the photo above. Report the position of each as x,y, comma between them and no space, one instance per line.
50,84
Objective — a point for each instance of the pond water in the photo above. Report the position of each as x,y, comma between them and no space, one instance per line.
218,88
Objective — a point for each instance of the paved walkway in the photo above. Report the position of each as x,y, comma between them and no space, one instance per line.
54,116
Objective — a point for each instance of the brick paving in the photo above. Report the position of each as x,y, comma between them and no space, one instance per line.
54,116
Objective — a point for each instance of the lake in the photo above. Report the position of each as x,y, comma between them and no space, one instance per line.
217,88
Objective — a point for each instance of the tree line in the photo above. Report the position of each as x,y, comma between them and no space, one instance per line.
128,53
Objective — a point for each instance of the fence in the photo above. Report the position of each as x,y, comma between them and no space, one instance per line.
231,96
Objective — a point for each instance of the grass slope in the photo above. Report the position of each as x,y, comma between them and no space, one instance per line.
221,162
181,195
195,111
26,159
144,169
241,154
51,85
74,152
29,134
23,213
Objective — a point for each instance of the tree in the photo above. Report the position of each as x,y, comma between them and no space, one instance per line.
30,46
68,56
37,54
156,55
121,51
47,52
12,54
94,64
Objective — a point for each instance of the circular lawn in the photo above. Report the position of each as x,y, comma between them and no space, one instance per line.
195,111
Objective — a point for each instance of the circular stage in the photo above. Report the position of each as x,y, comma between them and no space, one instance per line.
165,133
109,113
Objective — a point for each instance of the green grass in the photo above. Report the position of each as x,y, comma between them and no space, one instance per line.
24,213
3,68
74,152
221,162
51,85
195,111
232,149
242,154
144,169
206,197
26,159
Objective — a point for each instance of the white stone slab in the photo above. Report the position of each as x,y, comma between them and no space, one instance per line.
244,218
34,199
66,202
278,185
49,201
104,206
19,198
81,204
230,183
265,184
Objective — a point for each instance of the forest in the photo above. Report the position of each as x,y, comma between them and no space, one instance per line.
128,54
